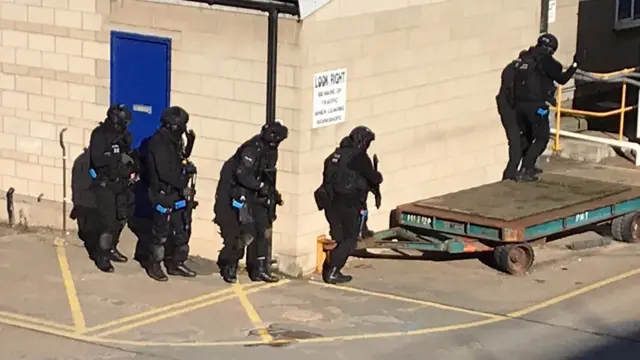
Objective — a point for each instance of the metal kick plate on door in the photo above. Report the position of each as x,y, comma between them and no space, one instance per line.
142,108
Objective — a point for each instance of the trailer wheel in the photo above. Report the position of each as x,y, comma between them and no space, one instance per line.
514,259
626,228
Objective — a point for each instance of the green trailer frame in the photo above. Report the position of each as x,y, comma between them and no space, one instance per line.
506,217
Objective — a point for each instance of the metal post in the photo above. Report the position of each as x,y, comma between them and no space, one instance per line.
272,72
272,65
64,183
544,16
637,139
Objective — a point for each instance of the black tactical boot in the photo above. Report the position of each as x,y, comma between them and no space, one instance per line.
230,273
346,278
154,270
103,263
332,275
367,233
180,269
526,175
537,170
117,256
262,273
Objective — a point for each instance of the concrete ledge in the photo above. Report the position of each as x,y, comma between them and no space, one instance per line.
584,150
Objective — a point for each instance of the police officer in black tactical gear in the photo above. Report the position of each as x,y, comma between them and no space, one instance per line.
533,93
518,134
169,174
246,200
347,177
114,169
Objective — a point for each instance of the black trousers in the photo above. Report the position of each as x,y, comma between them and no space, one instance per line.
170,237
114,207
536,118
344,227
257,233
519,137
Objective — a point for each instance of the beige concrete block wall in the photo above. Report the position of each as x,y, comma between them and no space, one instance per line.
566,29
54,74
423,77
219,75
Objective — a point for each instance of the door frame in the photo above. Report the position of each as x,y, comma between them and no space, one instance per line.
138,37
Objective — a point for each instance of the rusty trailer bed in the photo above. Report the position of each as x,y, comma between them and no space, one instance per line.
511,211
492,216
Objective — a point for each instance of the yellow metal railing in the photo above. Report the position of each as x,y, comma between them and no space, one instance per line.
622,110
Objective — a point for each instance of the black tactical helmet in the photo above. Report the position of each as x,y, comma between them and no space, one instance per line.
175,119
274,133
119,116
362,137
549,42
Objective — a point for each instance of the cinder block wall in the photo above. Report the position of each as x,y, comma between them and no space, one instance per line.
55,73
424,78
54,59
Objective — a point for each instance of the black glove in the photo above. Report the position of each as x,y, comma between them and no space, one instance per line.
190,169
378,198
263,191
188,192
191,136
279,200
126,159
579,58
127,139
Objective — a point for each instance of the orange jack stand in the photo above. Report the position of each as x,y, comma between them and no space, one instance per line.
323,251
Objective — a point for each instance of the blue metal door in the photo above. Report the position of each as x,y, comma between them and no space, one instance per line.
140,79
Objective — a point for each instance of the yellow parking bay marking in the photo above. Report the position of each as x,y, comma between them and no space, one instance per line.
512,315
186,309
408,300
35,320
72,294
251,313
163,309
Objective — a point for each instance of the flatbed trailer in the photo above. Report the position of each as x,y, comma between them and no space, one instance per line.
507,217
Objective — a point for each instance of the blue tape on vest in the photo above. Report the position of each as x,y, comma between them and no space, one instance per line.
542,112
161,209
237,204
93,174
180,204
363,212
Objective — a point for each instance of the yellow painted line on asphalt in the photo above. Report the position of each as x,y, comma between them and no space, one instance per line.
252,313
514,315
35,320
163,309
184,310
407,300
72,294
572,294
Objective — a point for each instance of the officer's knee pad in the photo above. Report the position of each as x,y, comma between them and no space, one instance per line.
105,241
157,253
245,240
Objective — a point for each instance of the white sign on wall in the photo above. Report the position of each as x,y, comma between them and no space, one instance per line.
552,12
329,97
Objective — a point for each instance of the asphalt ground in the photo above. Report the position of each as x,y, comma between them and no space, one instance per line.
57,305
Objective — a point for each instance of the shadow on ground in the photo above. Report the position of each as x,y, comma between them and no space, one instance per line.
618,347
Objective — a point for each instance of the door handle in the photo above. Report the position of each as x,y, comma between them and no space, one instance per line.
147,109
